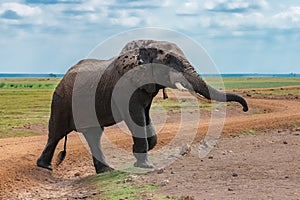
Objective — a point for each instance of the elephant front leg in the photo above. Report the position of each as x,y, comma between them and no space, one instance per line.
140,151
137,125
145,145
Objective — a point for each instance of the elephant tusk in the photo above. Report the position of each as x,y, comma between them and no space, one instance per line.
200,97
180,87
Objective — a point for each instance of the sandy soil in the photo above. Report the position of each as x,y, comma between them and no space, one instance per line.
256,157
263,166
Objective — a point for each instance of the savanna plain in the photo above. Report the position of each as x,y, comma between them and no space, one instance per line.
256,157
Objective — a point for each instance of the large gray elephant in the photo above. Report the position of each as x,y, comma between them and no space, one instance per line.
98,93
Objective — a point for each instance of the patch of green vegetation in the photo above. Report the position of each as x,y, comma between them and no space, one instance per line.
296,124
30,80
18,134
277,92
185,104
251,132
21,107
42,86
114,187
35,83
255,111
255,82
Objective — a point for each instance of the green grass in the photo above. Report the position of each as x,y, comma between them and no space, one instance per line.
114,187
296,124
257,82
251,132
277,92
229,83
41,83
176,105
23,107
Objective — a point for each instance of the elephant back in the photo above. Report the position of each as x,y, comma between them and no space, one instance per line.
168,47
87,70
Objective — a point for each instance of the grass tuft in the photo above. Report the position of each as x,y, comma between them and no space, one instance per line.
113,186
251,132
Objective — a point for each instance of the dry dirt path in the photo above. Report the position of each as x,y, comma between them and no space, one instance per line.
263,166
21,179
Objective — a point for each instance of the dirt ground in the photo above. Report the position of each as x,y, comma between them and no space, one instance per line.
257,157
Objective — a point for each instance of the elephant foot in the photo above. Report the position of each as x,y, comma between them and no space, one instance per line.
145,164
142,161
101,167
104,169
42,164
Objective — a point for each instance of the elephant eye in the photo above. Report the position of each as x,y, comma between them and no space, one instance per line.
139,59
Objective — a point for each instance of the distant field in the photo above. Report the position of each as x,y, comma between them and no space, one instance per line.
25,102
229,83
257,82
40,83
21,108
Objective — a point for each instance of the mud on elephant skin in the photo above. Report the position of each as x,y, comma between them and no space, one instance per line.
95,94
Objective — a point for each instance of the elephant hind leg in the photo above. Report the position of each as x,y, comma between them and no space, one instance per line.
54,137
58,128
45,159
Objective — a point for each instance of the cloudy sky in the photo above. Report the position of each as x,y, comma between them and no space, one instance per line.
49,36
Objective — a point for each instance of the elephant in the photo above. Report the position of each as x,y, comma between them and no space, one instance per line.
95,94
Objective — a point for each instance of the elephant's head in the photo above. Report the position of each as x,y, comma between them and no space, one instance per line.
165,64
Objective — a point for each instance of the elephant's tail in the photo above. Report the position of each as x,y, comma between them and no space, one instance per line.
165,95
61,156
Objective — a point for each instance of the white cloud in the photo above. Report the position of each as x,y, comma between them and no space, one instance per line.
218,16
19,14
125,18
237,20
207,17
21,9
93,5
210,5
190,7
234,5
79,26
167,3
145,4
287,19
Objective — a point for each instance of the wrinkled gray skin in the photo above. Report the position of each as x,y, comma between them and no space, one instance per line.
138,58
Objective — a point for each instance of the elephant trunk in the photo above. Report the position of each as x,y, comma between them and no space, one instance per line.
199,86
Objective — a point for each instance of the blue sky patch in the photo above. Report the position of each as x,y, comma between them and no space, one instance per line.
10,14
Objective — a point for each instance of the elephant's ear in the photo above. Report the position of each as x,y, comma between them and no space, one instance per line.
137,63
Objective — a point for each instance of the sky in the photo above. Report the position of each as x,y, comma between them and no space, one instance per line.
49,36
